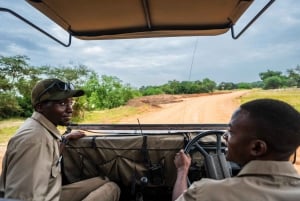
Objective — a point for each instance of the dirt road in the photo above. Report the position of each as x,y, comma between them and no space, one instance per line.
203,109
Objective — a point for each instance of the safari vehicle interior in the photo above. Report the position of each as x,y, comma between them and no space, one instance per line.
139,157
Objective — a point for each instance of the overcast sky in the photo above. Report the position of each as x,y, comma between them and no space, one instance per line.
272,42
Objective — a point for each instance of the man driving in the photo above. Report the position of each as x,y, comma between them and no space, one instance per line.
262,136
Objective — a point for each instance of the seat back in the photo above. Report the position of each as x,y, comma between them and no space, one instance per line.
124,159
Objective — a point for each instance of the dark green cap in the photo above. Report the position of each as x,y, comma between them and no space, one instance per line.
53,89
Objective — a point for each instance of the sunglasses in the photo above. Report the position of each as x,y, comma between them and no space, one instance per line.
62,86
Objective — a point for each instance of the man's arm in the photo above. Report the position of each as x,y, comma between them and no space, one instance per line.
28,171
74,135
182,162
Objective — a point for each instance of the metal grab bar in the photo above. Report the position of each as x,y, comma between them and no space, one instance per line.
251,21
36,27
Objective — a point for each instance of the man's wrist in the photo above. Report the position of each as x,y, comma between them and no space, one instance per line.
64,139
182,172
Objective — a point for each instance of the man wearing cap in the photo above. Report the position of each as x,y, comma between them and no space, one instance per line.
31,165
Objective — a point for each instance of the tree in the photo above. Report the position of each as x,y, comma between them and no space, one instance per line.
273,82
244,85
257,84
76,75
107,92
227,86
264,75
151,90
17,79
9,106
5,85
208,85
172,87
294,75
13,73
187,87
272,79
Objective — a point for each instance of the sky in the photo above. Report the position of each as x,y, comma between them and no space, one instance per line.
271,43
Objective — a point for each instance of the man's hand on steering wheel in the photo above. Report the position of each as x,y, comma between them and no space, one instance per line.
182,161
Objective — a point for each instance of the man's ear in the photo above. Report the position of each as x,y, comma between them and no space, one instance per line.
258,148
38,107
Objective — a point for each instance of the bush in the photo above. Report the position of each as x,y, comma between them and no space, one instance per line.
9,106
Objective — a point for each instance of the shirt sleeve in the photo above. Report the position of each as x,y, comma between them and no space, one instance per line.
196,192
188,195
29,168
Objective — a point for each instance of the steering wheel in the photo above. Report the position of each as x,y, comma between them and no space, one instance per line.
215,162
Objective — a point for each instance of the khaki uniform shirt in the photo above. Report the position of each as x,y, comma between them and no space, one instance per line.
258,180
30,169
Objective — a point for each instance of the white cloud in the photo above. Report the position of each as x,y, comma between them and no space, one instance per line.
92,51
271,42
15,49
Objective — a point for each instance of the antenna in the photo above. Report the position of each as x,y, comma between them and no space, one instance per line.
190,73
140,126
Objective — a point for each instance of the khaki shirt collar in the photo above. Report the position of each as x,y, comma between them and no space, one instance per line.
47,124
280,168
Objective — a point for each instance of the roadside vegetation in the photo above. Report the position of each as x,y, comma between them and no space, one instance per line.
289,95
9,126
114,115
106,96
17,77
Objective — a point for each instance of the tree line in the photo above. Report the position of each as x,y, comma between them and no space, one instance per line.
268,80
17,78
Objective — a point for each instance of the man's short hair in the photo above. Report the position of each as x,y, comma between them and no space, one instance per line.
276,122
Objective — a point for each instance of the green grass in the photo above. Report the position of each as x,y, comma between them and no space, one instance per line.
6,133
291,96
8,128
112,115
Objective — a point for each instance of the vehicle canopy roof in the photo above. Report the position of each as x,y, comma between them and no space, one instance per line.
107,19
